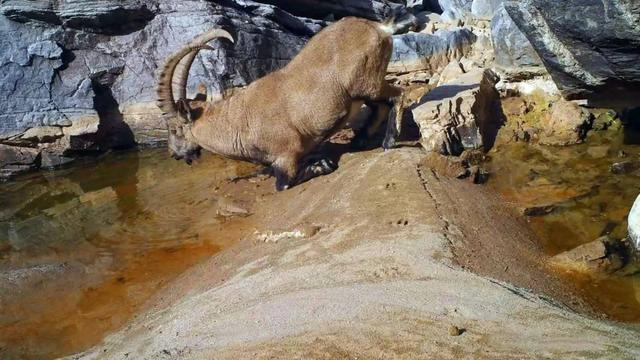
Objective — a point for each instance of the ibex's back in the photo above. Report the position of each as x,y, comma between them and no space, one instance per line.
279,119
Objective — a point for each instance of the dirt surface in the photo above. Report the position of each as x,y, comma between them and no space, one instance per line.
377,260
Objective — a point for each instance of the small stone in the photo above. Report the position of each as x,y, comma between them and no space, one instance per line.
456,331
539,210
625,167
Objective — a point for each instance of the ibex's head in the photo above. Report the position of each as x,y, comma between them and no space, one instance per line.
179,115
182,144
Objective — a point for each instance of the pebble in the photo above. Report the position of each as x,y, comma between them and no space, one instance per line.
456,331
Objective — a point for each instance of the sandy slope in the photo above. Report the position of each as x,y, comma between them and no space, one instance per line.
386,258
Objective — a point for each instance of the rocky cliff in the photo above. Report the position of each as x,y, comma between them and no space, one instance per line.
590,48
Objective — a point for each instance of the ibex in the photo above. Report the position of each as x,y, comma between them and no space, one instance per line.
281,118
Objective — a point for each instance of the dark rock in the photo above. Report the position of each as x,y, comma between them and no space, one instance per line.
320,9
14,160
590,48
625,167
478,175
539,210
51,160
419,51
512,48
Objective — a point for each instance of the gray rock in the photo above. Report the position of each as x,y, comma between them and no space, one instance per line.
485,9
455,9
419,51
512,48
590,48
14,160
47,49
320,9
460,114
625,167
634,224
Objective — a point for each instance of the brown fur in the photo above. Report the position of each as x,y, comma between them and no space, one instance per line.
279,119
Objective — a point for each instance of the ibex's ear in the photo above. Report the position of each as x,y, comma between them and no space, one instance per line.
185,110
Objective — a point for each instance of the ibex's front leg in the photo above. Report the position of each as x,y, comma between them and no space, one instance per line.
394,125
364,135
392,94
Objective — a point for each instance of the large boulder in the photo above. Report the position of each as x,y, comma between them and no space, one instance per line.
485,9
462,114
85,70
512,49
419,51
455,9
565,123
634,224
591,48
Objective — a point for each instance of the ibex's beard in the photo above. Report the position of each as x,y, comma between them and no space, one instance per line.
182,148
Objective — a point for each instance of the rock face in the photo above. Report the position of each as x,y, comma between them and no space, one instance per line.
419,51
79,76
591,48
455,9
566,123
319,9
460,114
485,9
512,48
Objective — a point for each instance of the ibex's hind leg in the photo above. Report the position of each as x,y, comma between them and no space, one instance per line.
316,167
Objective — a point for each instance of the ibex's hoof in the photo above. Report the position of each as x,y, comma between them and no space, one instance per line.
328,165
388,144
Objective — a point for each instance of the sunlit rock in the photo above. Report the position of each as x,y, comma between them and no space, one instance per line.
419,51
566,123
460,114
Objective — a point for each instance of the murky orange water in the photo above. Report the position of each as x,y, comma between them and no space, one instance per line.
589,200
81,250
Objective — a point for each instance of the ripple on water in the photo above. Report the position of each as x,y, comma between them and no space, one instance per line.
81,249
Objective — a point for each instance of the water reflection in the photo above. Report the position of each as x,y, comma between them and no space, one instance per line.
588,201
81,249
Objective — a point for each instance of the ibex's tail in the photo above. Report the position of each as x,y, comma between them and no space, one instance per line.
175,65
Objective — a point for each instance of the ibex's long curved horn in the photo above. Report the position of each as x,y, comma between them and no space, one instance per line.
164,90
